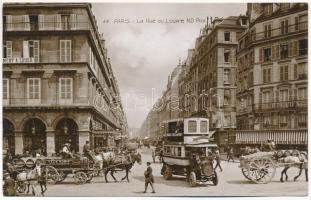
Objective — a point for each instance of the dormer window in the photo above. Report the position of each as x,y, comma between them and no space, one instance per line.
244,21
268,8
284,6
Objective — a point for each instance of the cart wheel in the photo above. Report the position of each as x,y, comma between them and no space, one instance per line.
215,179
261,170
90,176
245,173
62,176
167,174
30,163
80,177
18,163
192,179
52,176
20,186
287,153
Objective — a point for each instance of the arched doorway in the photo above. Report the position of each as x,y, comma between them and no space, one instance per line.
8,136
66,132
35,136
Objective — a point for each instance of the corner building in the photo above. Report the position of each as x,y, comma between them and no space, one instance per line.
272,76
58,84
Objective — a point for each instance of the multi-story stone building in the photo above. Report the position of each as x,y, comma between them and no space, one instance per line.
58,84
272,75
213,73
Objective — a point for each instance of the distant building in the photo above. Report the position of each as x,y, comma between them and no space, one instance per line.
272,76
213,75
58,84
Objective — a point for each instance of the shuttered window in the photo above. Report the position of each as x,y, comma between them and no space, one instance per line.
6,89
31,49
7,49
284,27
65,88
283,73
33,88
65,50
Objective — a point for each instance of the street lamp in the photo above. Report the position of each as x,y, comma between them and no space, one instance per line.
33,128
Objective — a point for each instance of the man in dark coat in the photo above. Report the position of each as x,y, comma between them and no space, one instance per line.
217,158
8,186
149,178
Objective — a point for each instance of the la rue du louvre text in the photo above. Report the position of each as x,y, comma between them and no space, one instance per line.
189,20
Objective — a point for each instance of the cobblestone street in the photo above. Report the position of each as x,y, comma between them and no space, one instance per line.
231,183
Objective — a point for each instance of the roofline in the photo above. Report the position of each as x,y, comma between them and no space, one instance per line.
52,5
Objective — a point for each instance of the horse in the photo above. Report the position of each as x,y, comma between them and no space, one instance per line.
31,178
300,161
102,160
125,164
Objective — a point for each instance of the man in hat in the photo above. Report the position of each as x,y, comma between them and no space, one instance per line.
149,178
8,186
66,151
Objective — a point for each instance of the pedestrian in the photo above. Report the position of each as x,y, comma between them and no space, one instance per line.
149,178
230,155
8,186
217,158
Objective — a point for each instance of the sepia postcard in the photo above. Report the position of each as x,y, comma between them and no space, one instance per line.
162,99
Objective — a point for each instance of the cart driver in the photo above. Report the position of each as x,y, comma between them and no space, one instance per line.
66,152
195,165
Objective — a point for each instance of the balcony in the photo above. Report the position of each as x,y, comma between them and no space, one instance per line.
46,56
279,31
295,104
47,26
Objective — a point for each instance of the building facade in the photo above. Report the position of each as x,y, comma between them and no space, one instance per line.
272,75
213,75
58,83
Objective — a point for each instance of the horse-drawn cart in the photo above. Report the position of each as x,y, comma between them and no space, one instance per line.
57,168
260,167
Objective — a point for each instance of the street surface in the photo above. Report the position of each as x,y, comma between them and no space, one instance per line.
231,183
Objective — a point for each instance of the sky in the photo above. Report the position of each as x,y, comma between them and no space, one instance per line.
145,43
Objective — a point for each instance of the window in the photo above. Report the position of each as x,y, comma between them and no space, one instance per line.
283,73
7,49
192,126
65,89
7,22
226,76
227,120
303,22
267,54
203,127
268,8
302,94
268,30
296,23
34,22
302,121
300,71
31,50
253,34
227,96
6,89
266,121
65,50
227,55
283,121
283,96
34,90
244,21
303,47
266,75
284,51
284,27
266,97
284,6
227,36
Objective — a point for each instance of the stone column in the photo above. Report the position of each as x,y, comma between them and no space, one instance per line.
50,142
19,142
83,137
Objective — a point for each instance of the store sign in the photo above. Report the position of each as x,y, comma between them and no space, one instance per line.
18,60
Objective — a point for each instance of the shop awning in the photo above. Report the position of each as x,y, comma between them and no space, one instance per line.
279,136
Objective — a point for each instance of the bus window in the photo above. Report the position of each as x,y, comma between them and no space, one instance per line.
192,126
179,151
172,126
172,151
203,126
